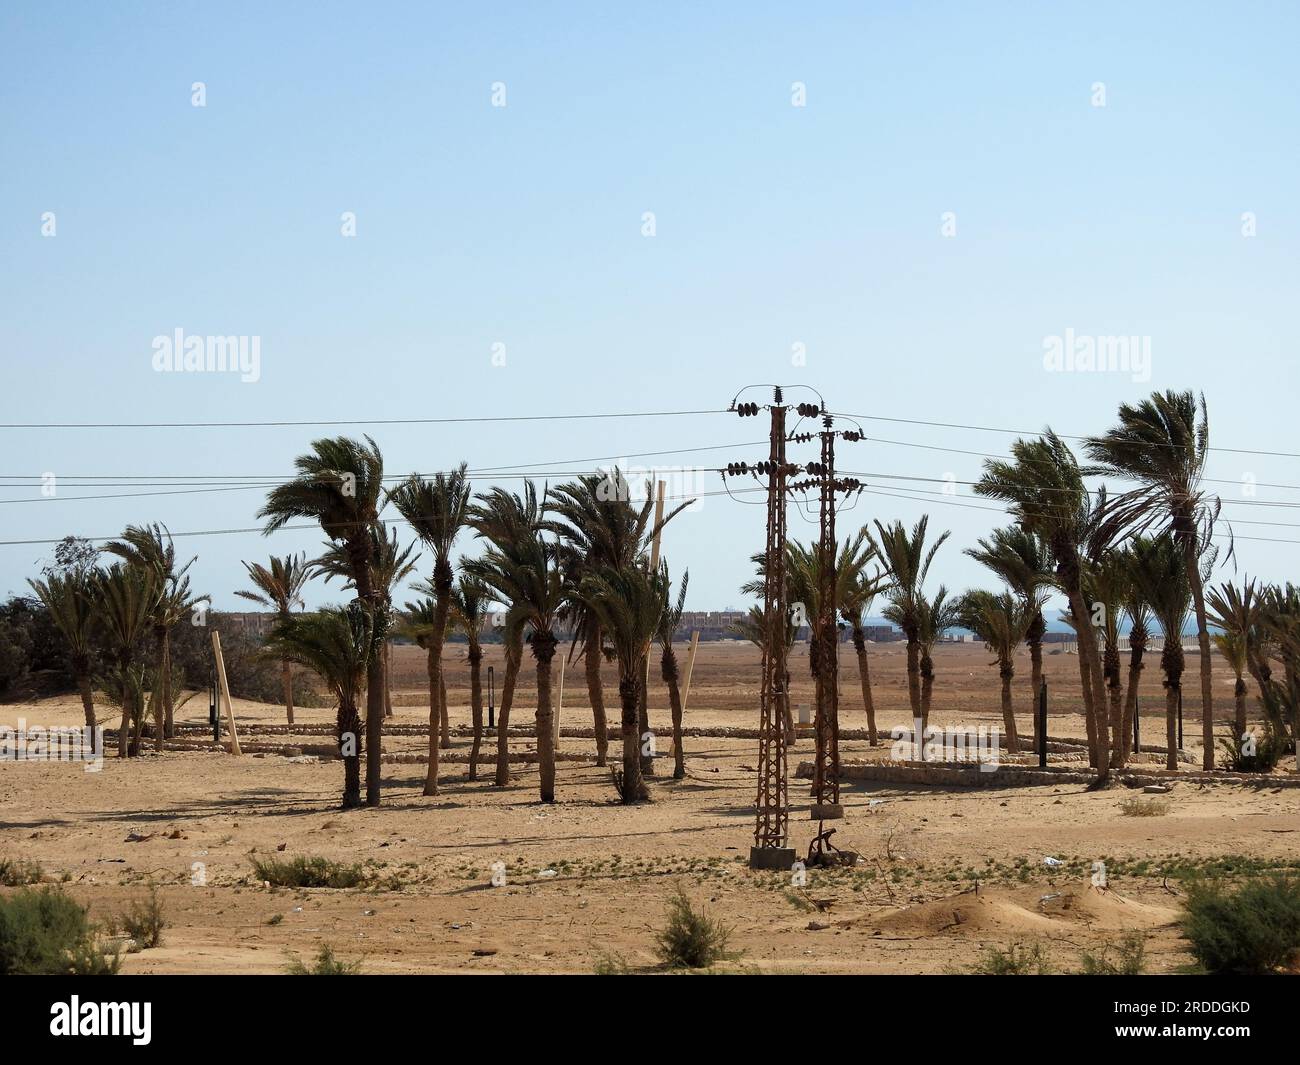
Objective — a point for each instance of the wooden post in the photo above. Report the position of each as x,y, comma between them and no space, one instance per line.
690,666
1042,725
559,702
225,691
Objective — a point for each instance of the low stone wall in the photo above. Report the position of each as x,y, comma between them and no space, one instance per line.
951,775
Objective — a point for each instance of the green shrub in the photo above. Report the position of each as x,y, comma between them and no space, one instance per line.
18,873
1020,959
1268,751
1127,958
610,964
325,965
144,922
692,940
45,932
1254,929
308,872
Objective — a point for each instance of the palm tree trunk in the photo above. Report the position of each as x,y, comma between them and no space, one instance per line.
388,687
1239,705
1115,698
786,715
87,698
927,689
124,730
349,723
169,725
286,672
476,705
595,692
1203,642
435,710
1094,683
514,653
160,686
643,716
633,787
914,678
437,697
668,665
1034,641
1008,712
1136,651
864,677
543,651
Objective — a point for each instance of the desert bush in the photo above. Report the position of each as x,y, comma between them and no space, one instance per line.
1126,958
692,939
1019,959
1252,929
144,921
1265,752
324,965
610,964
1135,806
308,872
14,872
45,932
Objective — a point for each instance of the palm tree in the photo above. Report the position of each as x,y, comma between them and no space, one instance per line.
1022,560
437,510
1138,610
597,526
1161,576
935,617
1279,620
125,598
418,623
335,642
528,576
1105,583
340,485
668,622
1001,620
855,605
629,604
907,561
1233,649
1163,443
390,565
1238,613
1044,485
504,519
469,607
279,588
151,547
68,599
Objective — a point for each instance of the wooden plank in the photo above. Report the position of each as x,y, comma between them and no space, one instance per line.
225,692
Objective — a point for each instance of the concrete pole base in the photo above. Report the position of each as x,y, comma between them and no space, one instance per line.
781,858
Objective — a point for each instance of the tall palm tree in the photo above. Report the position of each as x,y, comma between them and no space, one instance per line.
1138,610
907,561
279,588
151,547
1279,619
1163,444
470,600
1044,486
335,642
629,604
1105,584
340,485
528,576
668,622
935,617
1001,620
855,605
598,526
69,599
1233,649
437,510
125,598
504,519
1237,611
1022,560
390,565
1161,575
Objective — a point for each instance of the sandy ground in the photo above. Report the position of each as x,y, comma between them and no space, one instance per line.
587,877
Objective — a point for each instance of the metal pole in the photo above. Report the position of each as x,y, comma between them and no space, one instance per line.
1042,725
1180,717
1137,717
491,697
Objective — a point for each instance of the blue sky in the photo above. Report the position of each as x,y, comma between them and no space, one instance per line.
521,226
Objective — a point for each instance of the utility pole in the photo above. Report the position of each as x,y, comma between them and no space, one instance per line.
771,849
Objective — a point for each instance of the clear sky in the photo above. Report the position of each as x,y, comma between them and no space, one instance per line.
778,229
